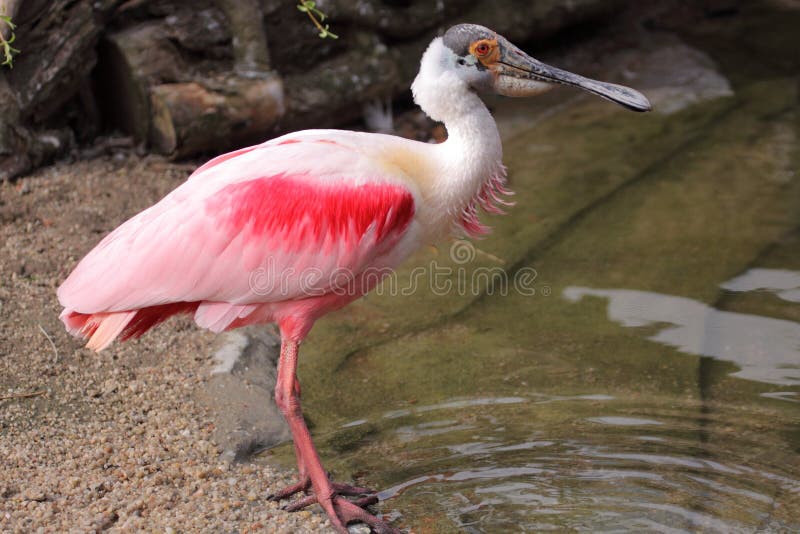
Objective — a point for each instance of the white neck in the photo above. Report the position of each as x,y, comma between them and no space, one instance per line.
472,154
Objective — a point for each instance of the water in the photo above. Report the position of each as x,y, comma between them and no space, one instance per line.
627,357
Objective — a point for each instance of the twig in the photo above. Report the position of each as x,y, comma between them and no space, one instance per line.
52,344
310,7
5,44
24,395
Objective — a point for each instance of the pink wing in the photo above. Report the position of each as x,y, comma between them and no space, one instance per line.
238,234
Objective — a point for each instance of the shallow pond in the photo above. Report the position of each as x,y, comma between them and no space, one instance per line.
623,353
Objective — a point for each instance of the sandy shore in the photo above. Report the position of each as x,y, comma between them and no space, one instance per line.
117,440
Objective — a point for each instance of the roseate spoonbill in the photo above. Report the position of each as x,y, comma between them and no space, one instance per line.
295,227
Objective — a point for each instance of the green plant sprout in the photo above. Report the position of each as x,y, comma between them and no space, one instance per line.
8,50
310,7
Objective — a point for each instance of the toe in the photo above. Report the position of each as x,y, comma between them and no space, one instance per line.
349,512
288,491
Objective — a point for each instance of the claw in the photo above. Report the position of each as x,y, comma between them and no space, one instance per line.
347,511
308,500
300,503
305,485
288,491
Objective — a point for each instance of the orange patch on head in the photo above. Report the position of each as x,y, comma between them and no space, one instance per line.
486,50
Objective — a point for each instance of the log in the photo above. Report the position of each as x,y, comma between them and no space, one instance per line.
188,118
13,160
131,61
182,108
58,41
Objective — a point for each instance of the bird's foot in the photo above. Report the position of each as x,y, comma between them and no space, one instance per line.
305,484
340,510
308,500
346,512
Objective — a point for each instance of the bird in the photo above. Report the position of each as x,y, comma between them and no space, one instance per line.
288,230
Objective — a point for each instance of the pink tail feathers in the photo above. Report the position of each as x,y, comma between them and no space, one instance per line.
100,328
104,327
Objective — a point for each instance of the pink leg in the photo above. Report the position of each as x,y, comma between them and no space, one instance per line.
304,482
328,495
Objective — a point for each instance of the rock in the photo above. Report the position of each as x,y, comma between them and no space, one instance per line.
187,118
34,494
677,76
240,393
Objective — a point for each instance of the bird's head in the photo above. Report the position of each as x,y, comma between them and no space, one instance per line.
488,62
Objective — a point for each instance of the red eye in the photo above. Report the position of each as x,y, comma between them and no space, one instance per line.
482,49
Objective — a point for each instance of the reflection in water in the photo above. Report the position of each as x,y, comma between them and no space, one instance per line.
782,282
781,395
767,350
